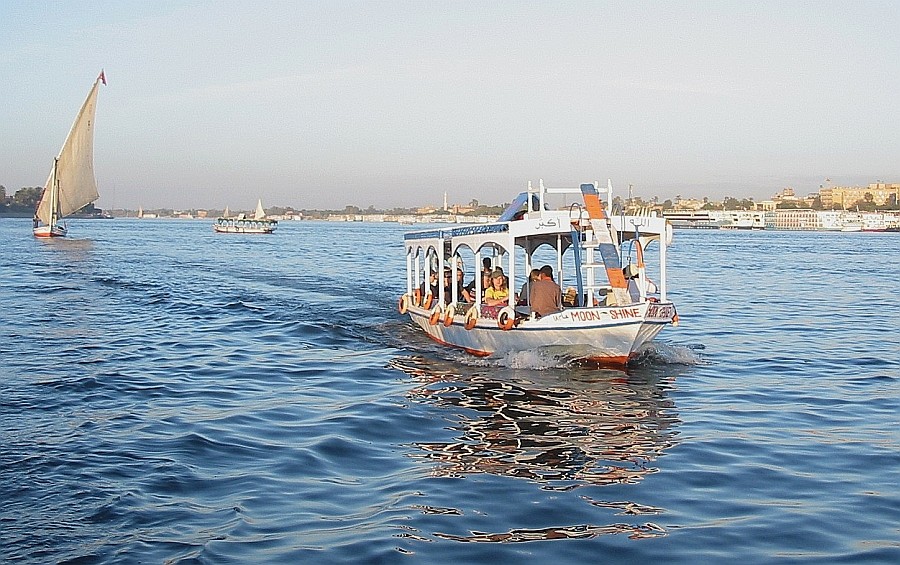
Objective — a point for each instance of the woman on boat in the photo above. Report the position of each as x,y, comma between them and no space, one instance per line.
498,292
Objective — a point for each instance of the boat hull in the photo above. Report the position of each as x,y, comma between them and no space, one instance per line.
50,231
238,229
609,336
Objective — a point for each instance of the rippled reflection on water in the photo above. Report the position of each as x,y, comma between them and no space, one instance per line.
563,431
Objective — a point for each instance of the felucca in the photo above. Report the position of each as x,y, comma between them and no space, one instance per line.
71,185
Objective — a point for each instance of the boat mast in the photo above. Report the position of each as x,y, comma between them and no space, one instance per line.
54,194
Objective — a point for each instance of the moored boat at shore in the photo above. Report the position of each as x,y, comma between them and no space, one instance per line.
609,313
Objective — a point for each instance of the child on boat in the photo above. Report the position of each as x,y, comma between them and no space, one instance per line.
498,292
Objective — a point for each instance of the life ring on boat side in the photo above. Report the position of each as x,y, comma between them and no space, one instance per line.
435,315
449,312
427,300
471,318
506,318
417,297
403,304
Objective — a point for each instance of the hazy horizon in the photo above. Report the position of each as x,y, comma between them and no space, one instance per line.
391,104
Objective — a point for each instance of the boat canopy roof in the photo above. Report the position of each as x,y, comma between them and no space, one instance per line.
529,223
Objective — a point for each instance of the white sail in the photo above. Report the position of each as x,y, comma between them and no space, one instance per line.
73,169
226,213
260,213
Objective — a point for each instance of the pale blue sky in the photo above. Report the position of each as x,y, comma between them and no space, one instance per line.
328,103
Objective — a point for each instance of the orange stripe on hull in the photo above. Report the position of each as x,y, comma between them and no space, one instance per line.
606,362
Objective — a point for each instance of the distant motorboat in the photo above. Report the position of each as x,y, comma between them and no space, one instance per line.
259,223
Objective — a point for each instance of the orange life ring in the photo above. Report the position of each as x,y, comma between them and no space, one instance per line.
471,317
449,312
506,318
427,300
435,315
417,297
403,303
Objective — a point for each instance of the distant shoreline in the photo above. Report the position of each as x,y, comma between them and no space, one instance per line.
74,217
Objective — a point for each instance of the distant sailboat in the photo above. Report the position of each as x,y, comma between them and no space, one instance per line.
141,214
71,185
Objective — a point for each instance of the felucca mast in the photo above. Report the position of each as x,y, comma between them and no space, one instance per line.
54,194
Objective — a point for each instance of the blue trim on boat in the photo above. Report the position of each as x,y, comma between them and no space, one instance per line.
476,229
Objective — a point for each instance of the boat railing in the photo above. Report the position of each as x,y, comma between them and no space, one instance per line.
542,191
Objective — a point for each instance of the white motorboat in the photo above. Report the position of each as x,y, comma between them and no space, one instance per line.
607,318
259,223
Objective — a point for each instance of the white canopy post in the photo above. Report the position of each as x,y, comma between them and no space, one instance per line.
409,272
662,264
478,276
418,266
440,275
511,277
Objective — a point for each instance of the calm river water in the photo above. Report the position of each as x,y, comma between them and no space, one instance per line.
170,395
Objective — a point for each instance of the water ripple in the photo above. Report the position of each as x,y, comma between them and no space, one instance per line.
184,401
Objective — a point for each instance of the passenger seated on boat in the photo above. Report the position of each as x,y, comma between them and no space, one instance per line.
498,292
631,274
486,271
448,286
462,294
485,284
522,297
545,297
433,287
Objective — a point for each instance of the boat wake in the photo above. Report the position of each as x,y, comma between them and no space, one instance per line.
659,353
535,359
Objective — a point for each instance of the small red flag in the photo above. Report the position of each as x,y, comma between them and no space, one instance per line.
103,77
